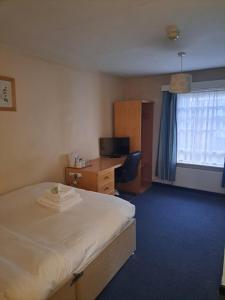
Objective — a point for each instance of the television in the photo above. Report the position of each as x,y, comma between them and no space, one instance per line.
114,146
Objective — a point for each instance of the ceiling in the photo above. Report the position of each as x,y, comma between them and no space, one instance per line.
124,37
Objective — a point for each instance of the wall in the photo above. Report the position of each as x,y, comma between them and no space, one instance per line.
58,110
149,88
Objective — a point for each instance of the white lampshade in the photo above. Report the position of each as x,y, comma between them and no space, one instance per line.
180,83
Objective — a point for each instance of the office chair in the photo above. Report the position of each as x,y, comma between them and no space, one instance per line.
129,169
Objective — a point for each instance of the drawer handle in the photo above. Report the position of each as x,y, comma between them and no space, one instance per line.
106,188
106,177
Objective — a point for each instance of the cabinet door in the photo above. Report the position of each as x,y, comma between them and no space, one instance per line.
127,122
146,143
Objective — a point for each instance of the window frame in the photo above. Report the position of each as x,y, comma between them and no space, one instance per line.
204,86
199,167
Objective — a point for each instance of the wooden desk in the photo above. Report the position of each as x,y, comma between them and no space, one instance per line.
99,177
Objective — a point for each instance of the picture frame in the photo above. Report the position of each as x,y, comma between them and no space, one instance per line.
7,94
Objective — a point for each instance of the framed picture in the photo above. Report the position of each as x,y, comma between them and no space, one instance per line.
7,94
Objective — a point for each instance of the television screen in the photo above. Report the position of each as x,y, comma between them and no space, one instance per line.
115,146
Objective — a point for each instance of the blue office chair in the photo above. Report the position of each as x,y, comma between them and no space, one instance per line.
129,169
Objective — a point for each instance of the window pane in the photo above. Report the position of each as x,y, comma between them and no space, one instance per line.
201,128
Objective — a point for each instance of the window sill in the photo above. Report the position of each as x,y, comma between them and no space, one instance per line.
199,167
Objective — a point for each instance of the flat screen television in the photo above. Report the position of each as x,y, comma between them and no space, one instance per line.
114,146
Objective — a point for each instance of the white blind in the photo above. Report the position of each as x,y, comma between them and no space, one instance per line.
201,128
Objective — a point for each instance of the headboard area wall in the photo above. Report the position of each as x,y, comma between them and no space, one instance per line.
58,110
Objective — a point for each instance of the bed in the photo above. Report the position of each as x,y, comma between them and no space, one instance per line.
70,255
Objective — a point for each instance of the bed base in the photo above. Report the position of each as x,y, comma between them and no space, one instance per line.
89,284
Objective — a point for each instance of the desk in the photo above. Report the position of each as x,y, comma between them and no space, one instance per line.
98,177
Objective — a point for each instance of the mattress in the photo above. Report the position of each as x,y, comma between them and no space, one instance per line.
40,248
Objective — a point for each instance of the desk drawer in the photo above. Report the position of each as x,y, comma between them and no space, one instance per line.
107,188
105,177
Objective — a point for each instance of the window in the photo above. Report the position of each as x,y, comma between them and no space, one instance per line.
201,128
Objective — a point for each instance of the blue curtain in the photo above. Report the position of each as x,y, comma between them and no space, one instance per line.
167,148
223,178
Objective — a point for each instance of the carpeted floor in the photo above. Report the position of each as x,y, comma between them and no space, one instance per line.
180,243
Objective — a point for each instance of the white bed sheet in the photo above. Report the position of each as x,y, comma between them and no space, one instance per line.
40,248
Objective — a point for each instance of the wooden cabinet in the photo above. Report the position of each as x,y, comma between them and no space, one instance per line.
134,119
99,181
98,177
105,182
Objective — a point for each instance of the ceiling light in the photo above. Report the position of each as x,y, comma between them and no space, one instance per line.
173,33
181,83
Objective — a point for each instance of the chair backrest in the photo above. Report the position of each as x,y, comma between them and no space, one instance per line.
130,166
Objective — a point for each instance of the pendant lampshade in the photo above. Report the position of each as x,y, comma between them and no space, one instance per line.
181,83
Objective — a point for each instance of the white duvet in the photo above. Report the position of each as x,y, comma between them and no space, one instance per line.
40,248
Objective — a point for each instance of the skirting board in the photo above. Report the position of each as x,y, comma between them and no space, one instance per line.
100,271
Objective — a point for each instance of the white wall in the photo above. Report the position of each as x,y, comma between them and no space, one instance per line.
149,88
205,180
58,110
200,179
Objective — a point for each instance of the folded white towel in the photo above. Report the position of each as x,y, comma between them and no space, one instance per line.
60,198
58,207
60,193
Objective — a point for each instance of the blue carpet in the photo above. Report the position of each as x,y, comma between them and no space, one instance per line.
180,244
